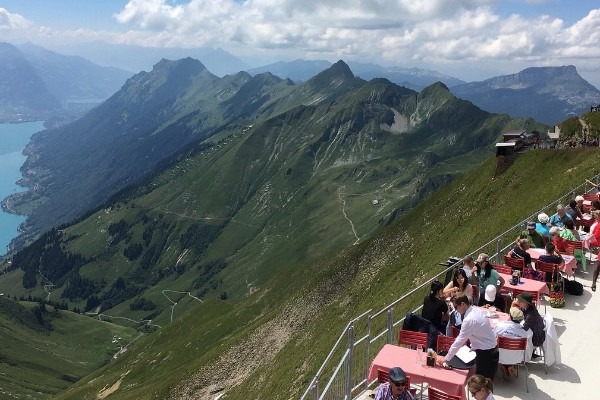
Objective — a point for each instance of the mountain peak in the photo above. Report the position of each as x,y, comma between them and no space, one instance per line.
336,75
188,63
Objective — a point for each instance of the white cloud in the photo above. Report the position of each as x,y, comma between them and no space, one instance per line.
436,34
12,22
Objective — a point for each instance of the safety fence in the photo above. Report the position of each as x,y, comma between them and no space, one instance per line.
343,374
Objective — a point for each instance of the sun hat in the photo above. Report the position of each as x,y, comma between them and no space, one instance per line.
516,314
397,375
543,218
525,298
579,198
490,293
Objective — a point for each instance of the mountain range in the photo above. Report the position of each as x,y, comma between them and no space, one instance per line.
546,94
37,84
240,221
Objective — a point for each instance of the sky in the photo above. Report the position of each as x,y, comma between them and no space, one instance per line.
468,39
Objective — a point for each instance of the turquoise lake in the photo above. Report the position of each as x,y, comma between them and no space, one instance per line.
13,139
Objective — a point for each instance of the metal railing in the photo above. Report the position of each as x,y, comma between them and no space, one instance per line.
367,333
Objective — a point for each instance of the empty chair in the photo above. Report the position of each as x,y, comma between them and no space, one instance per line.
505,343
514,263
436,394
444,343
412,339
502,269
577,250
590,196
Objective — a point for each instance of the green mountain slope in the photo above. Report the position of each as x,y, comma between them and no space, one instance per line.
270,344
44,352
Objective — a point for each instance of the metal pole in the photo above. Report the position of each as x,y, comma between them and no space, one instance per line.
348,391
498,249
390,325
315,391
368,345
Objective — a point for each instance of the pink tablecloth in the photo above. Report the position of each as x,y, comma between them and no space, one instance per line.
450,381
529,285
568,267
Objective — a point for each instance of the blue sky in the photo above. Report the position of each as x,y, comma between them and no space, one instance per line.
469,39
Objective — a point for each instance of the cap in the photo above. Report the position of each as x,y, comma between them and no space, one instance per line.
531,225
579,198
525,298
482,257
397,375
490,293
543,218
516,314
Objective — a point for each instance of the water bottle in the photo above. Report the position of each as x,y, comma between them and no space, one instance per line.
419,355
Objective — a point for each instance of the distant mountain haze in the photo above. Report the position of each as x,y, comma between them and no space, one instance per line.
37,84
546,94
137,58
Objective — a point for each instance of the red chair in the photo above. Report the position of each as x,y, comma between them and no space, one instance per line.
436,394
502,269
590,196
515,263
455,331
535,295
444,343
505,343
586,222
411,338
576,249
384,376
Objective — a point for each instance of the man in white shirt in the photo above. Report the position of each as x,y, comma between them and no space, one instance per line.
513,329
476,328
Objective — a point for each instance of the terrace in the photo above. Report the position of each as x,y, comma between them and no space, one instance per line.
343,374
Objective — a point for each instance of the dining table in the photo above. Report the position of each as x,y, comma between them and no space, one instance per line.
530,285
452,381
568,267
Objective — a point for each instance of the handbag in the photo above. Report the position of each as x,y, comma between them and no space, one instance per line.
557,296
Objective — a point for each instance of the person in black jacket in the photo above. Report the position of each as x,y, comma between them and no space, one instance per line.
435,308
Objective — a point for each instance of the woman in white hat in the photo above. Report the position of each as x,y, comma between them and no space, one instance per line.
542,226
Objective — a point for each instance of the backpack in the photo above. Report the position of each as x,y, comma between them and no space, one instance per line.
573,287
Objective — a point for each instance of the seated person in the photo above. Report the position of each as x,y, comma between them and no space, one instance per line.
520,251
459,285
468,264
560,217
513,329
559,242
480,387
492,299
542,226
396,388
568,232
486,275
435,309
532,319
552,256
579,204
535,239
573,211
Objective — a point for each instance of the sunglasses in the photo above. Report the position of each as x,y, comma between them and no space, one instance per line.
399,384
473,393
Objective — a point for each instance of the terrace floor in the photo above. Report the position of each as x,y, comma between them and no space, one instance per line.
578,327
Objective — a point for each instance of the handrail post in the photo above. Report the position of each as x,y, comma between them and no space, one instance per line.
390,325
368,347
315,390
348,390
498,250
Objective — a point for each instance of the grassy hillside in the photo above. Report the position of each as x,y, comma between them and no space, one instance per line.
270,344
42,356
